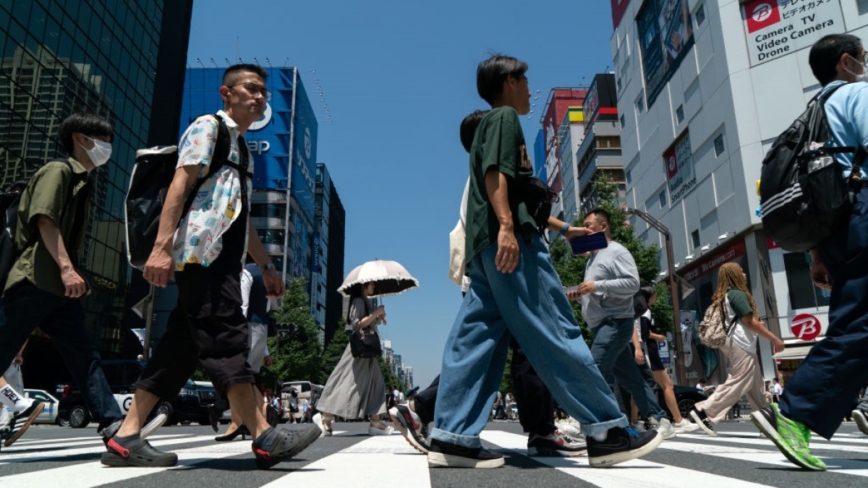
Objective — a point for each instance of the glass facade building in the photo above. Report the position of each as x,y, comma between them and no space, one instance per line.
110,58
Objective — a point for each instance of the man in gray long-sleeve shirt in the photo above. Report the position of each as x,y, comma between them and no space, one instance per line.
611,280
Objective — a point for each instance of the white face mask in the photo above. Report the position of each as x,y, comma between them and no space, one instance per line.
100,153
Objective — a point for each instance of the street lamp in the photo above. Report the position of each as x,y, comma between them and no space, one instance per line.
673,287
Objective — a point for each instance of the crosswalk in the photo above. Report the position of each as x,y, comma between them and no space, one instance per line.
350,458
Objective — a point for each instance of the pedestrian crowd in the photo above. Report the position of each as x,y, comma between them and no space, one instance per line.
572,399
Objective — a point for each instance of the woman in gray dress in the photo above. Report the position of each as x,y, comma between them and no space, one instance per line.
356,387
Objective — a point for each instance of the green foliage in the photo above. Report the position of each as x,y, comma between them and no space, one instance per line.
298,354
506,382
334,351
389,377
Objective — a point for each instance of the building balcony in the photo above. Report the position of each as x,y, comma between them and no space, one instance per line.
268,196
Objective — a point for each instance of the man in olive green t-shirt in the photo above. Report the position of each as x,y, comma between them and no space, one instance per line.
44,287
516,292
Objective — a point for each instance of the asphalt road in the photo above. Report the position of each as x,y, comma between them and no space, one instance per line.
69,458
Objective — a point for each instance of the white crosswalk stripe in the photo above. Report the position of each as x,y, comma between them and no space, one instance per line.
343,460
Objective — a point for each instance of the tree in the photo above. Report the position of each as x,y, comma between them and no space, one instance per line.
297,354
571,269
334,351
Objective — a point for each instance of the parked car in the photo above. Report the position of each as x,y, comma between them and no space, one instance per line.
49,412
190,405
686,396
305,390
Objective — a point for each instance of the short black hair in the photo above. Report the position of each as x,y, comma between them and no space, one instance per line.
231,74
87,123
601,215
491,73
468,127
826,53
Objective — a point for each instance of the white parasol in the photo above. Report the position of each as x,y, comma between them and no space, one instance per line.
389,278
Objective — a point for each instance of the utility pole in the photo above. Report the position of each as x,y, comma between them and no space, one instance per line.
680,372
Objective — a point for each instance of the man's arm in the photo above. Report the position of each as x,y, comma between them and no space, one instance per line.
555,224
274,285
159,267
50,233
507,246
627,282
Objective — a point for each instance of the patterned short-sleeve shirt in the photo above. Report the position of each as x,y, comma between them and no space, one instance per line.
218,201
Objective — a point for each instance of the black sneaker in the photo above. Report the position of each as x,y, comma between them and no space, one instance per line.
110,430
555,445
703,422
137,452
442,454
276,445
621,445
21,422
410,426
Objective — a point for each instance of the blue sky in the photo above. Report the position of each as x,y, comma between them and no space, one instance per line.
398,78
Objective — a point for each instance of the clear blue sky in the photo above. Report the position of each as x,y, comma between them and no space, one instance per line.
398,78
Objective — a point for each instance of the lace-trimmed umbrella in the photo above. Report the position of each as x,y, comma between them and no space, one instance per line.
389,278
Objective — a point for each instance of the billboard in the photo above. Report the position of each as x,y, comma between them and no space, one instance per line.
539,156
666,35
678,162
775,28
601,101
619,7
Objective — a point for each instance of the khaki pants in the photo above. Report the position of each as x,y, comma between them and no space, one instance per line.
745,378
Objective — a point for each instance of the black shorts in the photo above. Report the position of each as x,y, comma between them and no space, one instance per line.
654,356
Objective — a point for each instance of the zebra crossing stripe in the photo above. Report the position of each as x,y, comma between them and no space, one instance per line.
14,456
73,441
665,476
817,443
353,467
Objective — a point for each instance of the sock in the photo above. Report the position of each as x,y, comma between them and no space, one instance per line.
126,441
601,436
14,400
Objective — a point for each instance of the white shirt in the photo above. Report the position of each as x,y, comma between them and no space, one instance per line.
462,218
246,285
741,335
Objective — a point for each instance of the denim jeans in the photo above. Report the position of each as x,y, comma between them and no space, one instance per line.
612,354
529,304
26,307
821,392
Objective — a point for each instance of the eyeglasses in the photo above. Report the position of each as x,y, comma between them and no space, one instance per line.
253,89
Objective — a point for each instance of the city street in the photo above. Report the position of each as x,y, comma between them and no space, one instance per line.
56,456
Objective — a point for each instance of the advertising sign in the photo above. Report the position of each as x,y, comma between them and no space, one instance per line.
539,156
678,161
601,101
666,35
775,28
552,160
731,253
806,327
663,350
619,7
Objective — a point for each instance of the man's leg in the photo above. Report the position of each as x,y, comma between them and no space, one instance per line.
423,402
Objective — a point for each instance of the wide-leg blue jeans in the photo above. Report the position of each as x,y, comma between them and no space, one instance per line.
530,304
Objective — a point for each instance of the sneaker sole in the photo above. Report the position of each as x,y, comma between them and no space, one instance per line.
307,437
861,421
545,452
766,428
440,460
17,435
397,420
701,424
620,457
117,461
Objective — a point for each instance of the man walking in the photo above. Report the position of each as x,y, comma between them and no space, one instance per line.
206,253
821,392
44,285
515,291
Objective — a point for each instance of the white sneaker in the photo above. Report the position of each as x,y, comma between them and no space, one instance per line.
570,427
663,427
638,426
374,429
684,426
861,420
318,421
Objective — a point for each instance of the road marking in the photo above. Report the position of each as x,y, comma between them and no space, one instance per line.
10,456
79,441
754,440
359,466
632,473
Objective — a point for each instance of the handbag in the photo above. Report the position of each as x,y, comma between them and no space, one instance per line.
539,198
365,343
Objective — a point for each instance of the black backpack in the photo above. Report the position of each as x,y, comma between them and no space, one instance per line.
803,196
9,219
149,184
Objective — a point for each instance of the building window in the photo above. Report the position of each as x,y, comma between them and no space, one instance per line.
629,177
662,197
718,145
700,14
679,113
695,236
619,84
640,103
803,293
622,121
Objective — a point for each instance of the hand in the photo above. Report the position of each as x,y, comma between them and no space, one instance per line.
778,345
819,274
73,282
660,338
640,357
573,293
159,268
574,232
267,361
274,285
587,287
18,361
507,251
